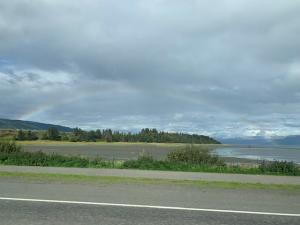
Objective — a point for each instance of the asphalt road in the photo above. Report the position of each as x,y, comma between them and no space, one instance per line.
250,200
15,213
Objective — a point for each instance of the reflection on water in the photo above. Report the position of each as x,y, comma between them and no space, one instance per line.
286,153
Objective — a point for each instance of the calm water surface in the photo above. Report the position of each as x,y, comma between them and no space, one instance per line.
286,153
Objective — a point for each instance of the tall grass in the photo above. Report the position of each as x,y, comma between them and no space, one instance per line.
196,155
199,159
279,167
9,146
186,159
12,154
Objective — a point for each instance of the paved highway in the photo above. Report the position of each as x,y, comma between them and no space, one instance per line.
18,203
16,212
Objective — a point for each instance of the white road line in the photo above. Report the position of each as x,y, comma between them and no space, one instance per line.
148,206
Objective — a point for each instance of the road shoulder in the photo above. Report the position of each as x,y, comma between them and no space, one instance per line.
150,174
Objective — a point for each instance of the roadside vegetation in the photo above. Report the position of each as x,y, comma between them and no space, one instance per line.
78,135
12,154
71,178
190,158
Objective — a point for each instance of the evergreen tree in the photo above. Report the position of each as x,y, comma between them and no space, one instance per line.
108,135
31,136
21,136
53,134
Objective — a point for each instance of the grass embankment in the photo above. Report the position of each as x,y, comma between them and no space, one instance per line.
190,158
67,178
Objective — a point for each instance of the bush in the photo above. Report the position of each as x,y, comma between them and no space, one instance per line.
279,167
143,161
191,158
12,154
101,163
195,155
7,146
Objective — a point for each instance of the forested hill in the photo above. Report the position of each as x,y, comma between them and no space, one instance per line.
28,130
154,136
107,135
29,125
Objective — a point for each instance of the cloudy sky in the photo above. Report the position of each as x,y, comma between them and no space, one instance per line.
222,68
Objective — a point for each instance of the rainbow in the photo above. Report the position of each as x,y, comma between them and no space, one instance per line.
33,113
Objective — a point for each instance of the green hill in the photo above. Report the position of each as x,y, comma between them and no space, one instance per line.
9,127
29,125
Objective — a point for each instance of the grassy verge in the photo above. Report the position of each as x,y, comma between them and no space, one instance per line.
66,178
192,159
170,166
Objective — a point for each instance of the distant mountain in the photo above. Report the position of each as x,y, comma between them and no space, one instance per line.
289,140
29,125
260,140
255,140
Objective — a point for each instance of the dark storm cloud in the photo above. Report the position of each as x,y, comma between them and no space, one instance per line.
214,67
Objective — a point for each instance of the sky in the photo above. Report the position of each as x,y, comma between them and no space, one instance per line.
222,68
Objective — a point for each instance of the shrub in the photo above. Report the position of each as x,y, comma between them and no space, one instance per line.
101,163
12,154
195,155
143,161
8,146
145,158
279,167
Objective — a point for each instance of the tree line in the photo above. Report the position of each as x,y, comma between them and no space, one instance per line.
107,135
